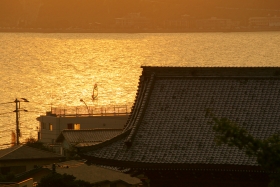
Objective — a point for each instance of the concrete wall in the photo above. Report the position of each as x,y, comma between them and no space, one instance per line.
48,135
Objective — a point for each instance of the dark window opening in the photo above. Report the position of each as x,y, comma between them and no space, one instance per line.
5,170
70,126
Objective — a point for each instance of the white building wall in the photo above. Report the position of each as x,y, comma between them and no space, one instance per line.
58,124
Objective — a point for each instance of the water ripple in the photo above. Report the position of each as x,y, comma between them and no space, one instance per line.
62,68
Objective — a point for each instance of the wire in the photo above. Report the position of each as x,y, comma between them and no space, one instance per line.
36,111
6,113
6,103
40,103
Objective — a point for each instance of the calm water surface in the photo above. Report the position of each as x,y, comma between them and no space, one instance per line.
60,69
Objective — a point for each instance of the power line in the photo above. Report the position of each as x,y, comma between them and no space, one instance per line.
36,111
6,113
6,103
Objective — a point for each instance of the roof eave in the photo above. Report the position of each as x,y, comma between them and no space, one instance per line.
170,166
24,159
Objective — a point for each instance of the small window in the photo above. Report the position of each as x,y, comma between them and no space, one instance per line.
77,126
50,127
70,126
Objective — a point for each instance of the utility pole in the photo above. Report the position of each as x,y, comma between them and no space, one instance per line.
17,122
17,117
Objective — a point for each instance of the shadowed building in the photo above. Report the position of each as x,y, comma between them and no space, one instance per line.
184,22
216,23
132,20
97,176
22,158
70,139
168,140
264,22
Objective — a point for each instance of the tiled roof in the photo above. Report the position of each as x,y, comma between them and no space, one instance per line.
169,126
87,137
22,152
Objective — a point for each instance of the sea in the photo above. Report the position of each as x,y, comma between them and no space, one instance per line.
59,69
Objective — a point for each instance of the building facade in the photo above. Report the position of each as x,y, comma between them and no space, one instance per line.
71,118
216,23
185,22
264,22
132,20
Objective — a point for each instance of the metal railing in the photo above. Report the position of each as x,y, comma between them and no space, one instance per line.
105,110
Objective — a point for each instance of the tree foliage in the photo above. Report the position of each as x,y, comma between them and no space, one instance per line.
32,142
59,180
266,151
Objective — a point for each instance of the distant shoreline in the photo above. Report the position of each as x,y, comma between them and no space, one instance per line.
38,30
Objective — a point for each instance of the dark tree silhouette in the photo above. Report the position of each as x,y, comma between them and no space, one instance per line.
32,142
65,180
266,151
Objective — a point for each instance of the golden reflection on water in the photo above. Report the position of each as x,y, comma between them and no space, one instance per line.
61,69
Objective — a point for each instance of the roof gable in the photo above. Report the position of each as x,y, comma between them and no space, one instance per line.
169,125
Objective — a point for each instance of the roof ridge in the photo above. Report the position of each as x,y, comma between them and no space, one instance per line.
143,66
42,150
142,106
248,72
136,104
12,150
91,141
96,129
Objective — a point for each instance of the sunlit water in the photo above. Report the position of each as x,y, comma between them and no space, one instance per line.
60,69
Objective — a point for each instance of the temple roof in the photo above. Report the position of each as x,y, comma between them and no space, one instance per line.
168,125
